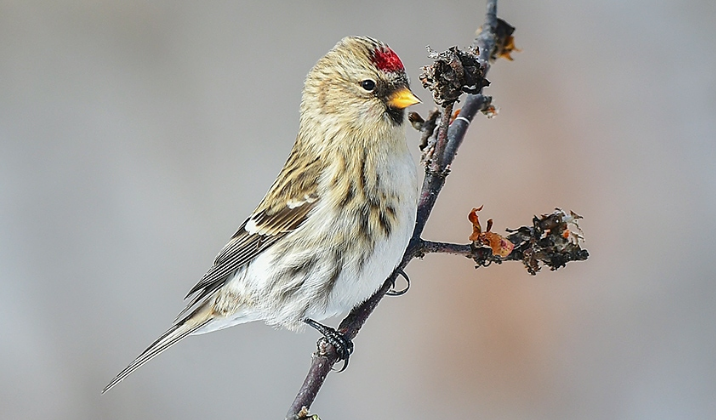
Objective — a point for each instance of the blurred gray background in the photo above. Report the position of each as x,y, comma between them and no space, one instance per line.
136,136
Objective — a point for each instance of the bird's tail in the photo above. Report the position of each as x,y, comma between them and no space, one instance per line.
198,319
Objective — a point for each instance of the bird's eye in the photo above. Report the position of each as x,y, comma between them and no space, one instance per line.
368,85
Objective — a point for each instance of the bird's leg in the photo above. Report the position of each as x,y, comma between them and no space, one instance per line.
342,344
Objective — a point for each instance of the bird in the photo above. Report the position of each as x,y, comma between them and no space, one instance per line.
336,221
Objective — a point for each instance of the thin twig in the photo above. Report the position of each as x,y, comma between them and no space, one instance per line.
485,42
447,248
436,165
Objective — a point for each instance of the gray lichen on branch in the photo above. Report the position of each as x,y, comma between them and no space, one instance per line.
552,240
453,73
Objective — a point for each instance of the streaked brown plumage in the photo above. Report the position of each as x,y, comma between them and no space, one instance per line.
337,219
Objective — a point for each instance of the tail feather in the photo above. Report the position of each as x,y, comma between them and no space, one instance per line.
172,336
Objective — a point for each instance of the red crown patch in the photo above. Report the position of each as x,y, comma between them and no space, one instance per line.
386,60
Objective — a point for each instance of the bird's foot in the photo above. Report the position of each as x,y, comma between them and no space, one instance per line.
342,344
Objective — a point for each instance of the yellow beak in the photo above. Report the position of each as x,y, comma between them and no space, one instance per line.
402,98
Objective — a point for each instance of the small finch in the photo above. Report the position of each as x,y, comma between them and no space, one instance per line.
336,221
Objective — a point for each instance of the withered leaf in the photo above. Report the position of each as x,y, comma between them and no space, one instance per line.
499,245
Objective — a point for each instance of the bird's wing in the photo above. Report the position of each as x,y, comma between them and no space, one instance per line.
256,234
285,207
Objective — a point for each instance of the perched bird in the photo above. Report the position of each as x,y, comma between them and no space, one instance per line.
336,221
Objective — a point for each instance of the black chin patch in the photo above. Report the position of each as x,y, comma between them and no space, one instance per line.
397,116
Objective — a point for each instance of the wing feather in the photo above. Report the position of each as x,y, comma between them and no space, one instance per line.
285,207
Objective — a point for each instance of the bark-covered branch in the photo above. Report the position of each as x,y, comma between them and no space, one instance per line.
551,240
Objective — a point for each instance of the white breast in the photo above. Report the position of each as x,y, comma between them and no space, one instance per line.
354,286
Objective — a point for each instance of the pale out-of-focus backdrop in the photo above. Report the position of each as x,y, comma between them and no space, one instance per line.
136,136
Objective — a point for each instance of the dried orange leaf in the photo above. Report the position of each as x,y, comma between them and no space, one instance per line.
500,246
508,48
476,228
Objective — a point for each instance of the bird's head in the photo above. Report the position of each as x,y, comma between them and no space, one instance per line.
360,86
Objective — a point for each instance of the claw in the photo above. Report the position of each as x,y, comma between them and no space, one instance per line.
342,344
393,292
